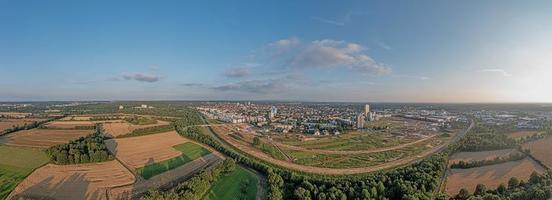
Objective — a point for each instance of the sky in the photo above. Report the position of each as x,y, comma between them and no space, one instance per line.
350,51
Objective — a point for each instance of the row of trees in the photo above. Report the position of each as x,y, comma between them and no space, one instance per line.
479,163
196,187
83,150
538,187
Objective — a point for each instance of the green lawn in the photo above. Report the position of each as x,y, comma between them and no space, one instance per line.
16,163
239,184
190,152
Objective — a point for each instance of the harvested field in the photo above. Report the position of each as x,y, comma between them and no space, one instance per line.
15,114
137,152
541,149
83,181
480,155
117,128
492,175
9,123
190,151
69,124
520,134
42,138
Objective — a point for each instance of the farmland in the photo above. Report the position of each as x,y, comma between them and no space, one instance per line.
541,149
230,186
491,176
82,181
190,152
10,123
152,148
480,155
42,138
16,163
118,128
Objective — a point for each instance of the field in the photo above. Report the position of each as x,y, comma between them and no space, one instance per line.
329,161
83,181
42,138
230,186
492,175
190,152
118,128
9,123
16,163
521,134
68,124
151,149
480,155
541,150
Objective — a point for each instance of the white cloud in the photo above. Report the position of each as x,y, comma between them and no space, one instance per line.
237,72
150,78
498,71
254,86
335,54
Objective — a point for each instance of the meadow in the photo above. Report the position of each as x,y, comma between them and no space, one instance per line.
239,184
16,163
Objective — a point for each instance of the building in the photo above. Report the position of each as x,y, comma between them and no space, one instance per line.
121,107
366,110
144,106
360,121
273,112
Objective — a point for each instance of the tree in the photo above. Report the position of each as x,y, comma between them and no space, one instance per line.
463,194
480,190
513,183
501,189
256,141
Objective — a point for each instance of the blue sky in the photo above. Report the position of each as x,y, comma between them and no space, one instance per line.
366,51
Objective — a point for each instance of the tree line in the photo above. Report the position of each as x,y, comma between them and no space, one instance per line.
497,160
196,187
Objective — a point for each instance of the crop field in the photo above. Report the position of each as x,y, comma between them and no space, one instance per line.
480,155
520,134
118,128
190,152
491,175
9,123
69,124
82,181
541,149
16,163
239,184
42,138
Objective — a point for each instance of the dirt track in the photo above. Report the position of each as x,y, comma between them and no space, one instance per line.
320,170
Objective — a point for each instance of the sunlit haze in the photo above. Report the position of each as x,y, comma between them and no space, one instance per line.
347,51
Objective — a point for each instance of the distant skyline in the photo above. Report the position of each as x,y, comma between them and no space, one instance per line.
323,51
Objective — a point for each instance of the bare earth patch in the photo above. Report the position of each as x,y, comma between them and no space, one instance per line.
42,138
117,128
491,176
139,151
83,181
541,150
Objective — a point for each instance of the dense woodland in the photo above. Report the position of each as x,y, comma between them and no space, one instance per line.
83,150
485,142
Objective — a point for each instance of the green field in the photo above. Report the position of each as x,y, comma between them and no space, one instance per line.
357,160
16,163
348,141
190,152
239,184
